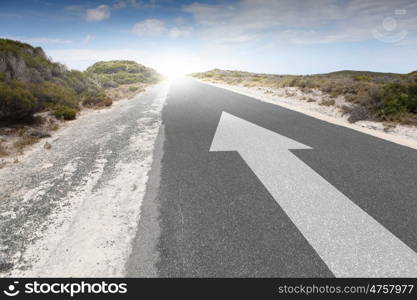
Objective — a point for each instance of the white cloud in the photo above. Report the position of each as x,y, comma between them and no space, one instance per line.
152,27
179,20
309,21
98,14
176,32
88,38
126,3
149,27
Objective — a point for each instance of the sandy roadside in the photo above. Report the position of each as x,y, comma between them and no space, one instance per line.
309,104
72,210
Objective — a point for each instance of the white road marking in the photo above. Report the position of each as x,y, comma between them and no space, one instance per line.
349,241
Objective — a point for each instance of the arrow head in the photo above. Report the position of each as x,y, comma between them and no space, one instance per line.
235,134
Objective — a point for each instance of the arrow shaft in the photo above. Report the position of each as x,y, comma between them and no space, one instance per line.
349,241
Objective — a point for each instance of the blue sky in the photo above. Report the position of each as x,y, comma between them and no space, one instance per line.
271,36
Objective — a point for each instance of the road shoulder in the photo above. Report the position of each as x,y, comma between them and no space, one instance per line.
370,129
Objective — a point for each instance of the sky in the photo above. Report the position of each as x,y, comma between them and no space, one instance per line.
267,36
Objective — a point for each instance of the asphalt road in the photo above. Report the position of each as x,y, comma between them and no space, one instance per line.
207,214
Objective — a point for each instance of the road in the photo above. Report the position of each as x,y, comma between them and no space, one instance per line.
216,218
191,180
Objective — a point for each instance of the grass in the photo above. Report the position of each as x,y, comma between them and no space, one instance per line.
25,141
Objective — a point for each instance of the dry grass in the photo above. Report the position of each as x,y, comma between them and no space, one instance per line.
25,141
3,150
329,102
126,91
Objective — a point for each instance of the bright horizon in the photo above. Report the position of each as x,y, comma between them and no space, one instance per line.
180,37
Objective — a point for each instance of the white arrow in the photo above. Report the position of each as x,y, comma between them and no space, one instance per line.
349,241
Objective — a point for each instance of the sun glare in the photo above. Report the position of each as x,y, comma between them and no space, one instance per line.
177,67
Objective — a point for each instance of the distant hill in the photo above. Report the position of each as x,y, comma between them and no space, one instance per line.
413,73
116,72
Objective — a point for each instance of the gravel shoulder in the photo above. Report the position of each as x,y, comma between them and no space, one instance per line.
72,210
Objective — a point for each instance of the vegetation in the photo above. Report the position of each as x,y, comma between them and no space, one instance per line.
118,72
377,96
16,101
3,150
92,98
33,57
31,83
25,141
399,102
65,113
50,94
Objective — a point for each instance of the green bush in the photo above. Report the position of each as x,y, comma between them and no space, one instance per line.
362,78
120,72
412,100
16,101
91,98
116,66
76,81
65,113
51,94
398,99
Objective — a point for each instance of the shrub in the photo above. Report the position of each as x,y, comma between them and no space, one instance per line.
107,102
51,94
76,81
133,88
122,72
16,101
383,96
358,113
394,100
362,78
65,113
412,99
93,97
329,102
